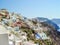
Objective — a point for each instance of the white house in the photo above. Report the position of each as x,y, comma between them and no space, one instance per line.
42,36
23,38
3,36
5,39
29,23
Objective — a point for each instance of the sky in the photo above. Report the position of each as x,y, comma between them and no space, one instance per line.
33,8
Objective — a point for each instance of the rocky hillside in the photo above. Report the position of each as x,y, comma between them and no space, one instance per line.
39,30
51,29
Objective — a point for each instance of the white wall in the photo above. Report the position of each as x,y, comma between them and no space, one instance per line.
4,39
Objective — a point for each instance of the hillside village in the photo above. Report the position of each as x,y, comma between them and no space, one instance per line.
18,30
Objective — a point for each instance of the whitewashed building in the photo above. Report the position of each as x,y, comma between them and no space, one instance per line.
42,36
3,36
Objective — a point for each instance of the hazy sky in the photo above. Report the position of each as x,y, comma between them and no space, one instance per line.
33,8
